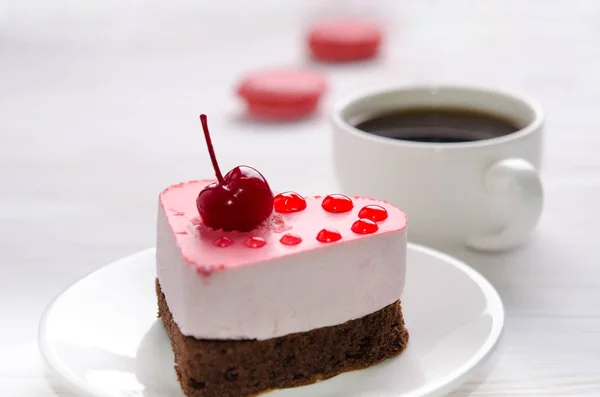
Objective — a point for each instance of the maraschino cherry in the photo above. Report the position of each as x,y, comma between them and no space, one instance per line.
241,200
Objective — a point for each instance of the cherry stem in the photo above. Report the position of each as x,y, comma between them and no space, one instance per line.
211,150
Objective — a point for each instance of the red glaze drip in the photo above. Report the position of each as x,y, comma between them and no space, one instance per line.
337,203
290,239
364,226
373,212
287,202
255,242
328,235
223,242
207,270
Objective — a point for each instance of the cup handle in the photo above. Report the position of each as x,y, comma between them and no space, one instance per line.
500,177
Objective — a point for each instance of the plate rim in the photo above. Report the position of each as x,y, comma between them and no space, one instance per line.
438,388
457,377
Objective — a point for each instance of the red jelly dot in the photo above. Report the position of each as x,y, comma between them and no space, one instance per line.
255,242
287,202
223,242
328,235
337,203
364,226
373,212
290,239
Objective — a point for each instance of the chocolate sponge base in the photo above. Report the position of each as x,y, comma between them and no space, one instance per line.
239,368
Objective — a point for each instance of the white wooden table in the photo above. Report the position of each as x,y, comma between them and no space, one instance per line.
98,112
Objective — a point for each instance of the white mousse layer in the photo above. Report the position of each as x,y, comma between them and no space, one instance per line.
239,292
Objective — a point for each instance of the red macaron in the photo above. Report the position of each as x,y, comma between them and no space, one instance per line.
282,94
344,40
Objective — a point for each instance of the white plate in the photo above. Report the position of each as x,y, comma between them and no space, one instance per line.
102,337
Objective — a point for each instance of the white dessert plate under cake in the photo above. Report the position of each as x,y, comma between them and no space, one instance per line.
102,337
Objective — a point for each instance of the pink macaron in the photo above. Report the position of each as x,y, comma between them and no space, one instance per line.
282,94
344,40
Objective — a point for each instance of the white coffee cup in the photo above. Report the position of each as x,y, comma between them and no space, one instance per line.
485,194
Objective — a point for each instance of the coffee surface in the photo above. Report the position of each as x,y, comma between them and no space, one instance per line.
439,125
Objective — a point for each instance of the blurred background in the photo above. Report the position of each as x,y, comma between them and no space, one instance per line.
99,103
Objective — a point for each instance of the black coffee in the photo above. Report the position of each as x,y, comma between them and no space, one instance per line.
445,125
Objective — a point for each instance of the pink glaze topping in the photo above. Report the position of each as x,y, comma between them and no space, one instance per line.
212,250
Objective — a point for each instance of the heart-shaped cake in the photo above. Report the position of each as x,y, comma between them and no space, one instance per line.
311,282
259,292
